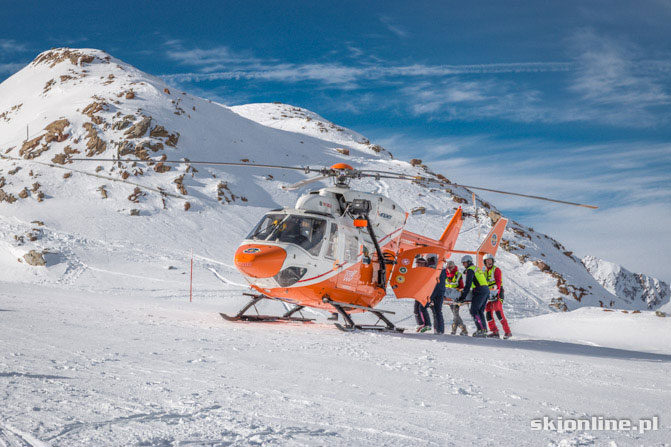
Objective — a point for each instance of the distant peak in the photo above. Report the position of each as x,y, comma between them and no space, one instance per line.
75,56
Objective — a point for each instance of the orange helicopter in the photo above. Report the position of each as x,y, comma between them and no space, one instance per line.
339,249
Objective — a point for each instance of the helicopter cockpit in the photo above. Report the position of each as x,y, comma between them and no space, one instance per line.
305,231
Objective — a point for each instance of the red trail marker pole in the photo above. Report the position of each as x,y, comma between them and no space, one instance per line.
191,280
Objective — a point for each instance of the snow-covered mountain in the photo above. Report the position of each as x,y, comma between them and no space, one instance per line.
640,290
94,230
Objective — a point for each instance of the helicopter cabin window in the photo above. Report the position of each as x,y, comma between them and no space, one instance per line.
306,232
429,260
352,249
332,244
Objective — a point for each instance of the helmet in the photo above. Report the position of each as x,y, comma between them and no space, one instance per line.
488,256
467,258
449,263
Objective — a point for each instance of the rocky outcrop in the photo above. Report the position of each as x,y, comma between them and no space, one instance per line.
35,258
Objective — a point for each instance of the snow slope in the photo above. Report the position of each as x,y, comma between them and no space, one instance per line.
119,369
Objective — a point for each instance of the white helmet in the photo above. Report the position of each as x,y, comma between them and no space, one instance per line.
488,256
467,258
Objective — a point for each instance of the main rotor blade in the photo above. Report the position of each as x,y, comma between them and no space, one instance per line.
356,173
304,182
91,174
497,191
213,163
526,195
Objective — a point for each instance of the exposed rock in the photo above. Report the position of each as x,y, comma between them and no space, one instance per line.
24,193
161,168
4,197
187,205
139,129
34,258
342,150
56,130
179,181
173,138
135,212
542,266
59,55
95,144
137,193
415,162
60,159
130,95
158,132
30,150
494,216
459,199
50,83
141,153
94,108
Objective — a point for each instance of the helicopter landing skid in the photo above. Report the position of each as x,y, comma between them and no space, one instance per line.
265,318
350,326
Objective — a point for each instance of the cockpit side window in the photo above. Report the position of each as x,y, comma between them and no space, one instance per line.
332,244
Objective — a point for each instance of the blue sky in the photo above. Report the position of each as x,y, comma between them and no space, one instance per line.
568,99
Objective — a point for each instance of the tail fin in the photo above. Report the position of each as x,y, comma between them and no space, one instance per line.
491,243
451,233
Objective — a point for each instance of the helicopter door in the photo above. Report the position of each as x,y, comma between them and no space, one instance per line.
348,279
416,272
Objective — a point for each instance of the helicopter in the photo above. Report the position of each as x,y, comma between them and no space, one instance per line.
339,249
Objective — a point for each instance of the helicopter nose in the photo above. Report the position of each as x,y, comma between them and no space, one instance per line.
260,261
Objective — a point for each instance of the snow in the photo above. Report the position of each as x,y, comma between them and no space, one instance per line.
102,347
150,368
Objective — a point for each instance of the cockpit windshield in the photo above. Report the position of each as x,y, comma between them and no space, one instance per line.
306,232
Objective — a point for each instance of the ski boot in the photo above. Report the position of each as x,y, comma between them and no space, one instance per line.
426,328
493,335
480,333
507,335
454,329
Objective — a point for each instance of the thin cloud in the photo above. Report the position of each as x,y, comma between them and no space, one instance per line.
12,46
394,28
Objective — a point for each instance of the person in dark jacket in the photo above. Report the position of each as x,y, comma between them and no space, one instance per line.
422,312
437,297
476,282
